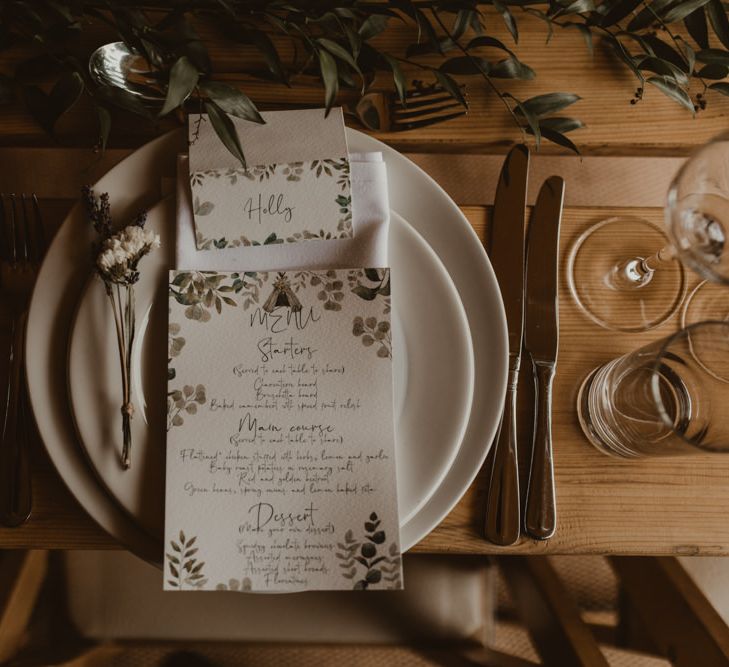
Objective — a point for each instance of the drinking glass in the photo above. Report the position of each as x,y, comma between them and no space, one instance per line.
626,273
669,397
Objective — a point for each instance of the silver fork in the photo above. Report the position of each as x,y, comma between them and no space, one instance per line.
21,249
424,105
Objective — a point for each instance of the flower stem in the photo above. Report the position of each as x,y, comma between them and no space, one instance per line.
123,310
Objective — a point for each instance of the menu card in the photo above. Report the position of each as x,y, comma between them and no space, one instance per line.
280,444
296,186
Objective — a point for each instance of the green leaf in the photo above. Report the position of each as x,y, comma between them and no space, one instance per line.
267,48
225,130
485,40
450,85
577,7
64,94
557,138
425,48
398,77
662,67
672,90
466,65
104,118
561,124
508,19
681,10
719,21
720,87
618,11
696,25
647,16
542,105
372,26
354,39
531,119
340,52
622,53
713,56
47,109
689,54
666,51
232,100
511,68
330,77
183,79
462,22
714,71
425,26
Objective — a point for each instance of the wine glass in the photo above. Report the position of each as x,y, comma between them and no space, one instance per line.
697,217
626,273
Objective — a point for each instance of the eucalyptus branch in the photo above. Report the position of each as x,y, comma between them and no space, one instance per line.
337,37
674,39
477,65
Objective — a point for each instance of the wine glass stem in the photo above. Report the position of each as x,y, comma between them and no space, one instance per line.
638,271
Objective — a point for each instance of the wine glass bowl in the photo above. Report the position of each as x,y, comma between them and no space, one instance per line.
697,224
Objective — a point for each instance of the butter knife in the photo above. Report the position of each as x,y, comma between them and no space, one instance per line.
503,509
541,340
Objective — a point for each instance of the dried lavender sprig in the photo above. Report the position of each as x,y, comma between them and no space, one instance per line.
141,219
97,210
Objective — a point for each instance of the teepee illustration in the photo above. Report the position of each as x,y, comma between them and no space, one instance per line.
282,295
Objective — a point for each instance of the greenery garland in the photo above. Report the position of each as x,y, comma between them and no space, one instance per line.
336,40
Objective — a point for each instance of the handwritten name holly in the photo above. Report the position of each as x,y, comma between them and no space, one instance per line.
275,206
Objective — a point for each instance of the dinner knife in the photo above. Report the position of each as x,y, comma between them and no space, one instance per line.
503,509
541,340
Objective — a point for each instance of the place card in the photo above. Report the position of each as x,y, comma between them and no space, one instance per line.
280,436
296,186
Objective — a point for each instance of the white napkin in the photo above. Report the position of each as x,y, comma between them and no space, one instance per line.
368,247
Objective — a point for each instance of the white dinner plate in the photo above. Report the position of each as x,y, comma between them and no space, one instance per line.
135,182
436,385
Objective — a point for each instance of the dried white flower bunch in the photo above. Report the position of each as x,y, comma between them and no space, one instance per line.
117,259
120,253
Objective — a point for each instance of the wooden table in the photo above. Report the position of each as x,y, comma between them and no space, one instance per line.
670,506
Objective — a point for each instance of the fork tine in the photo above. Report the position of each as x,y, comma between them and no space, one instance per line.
28,232
419,113
4,243
12,234
414,125
421,102
21,231
428,90
40,231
